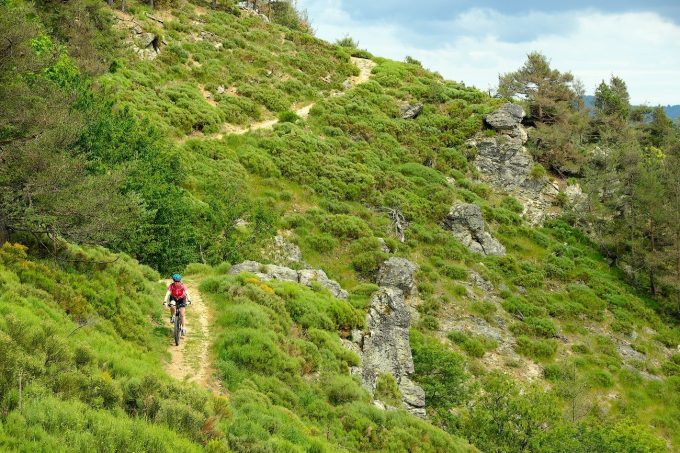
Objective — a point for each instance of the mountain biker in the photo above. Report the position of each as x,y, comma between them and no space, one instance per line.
178,298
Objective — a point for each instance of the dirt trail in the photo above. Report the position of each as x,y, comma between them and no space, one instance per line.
365,67
191,359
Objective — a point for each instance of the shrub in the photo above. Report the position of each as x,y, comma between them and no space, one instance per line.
342,390
511,204
455,272
428,322
536,349
473,345
387,390
440,372
538,172
321,243
345,226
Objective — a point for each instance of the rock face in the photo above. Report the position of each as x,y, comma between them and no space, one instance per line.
467,225
508,120
386,347
410,111
282,252
307,277
505,163
399,273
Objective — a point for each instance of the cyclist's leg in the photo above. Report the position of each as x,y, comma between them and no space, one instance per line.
172,308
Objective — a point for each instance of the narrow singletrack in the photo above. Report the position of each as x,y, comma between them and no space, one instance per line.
190,361
365,67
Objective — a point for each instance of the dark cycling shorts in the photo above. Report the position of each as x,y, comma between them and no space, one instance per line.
179,303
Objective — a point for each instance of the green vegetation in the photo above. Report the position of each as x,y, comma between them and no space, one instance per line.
137,155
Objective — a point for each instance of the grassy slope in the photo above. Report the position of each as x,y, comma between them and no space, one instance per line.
315,177
318,175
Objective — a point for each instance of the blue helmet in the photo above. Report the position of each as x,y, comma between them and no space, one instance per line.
176,277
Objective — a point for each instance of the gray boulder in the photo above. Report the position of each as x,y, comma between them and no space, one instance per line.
410,111
467,225
305,277
508,121
282,252
282,273
386,348
252,267
506,118
399,273
309,276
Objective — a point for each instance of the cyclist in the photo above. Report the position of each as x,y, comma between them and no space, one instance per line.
178,298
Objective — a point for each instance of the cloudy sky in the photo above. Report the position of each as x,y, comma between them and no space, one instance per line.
474,41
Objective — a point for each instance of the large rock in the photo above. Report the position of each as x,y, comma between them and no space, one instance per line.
399,273
508,118
307,277
410,111
282,252
386,348
310,276
467,225
504,163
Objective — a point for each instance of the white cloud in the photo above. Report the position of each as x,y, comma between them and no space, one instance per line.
641,47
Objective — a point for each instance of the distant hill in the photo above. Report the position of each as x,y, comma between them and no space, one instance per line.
673,111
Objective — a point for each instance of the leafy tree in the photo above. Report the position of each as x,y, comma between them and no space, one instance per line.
549,92
555,107
46,188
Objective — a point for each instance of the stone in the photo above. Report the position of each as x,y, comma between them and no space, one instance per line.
282,252
508,117
399,273
282,273
383,246
467,225
386,347
410,111
146,40
252,267
221,89
309,276
480,282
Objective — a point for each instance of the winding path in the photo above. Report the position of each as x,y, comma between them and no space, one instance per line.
190,360
365,67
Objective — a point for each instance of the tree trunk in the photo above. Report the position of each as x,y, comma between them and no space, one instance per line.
213,4
122,5
110,2
151,3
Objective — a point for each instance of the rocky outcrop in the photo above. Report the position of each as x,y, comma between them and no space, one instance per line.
398,273
307,277
467,225
282,252
504,163
145,44
410,111
386,347
508,121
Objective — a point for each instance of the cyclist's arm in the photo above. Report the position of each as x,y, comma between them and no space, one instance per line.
186,292
167,297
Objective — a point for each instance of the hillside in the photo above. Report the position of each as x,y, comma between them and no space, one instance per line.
384,265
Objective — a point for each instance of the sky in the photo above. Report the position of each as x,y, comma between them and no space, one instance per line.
475,41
